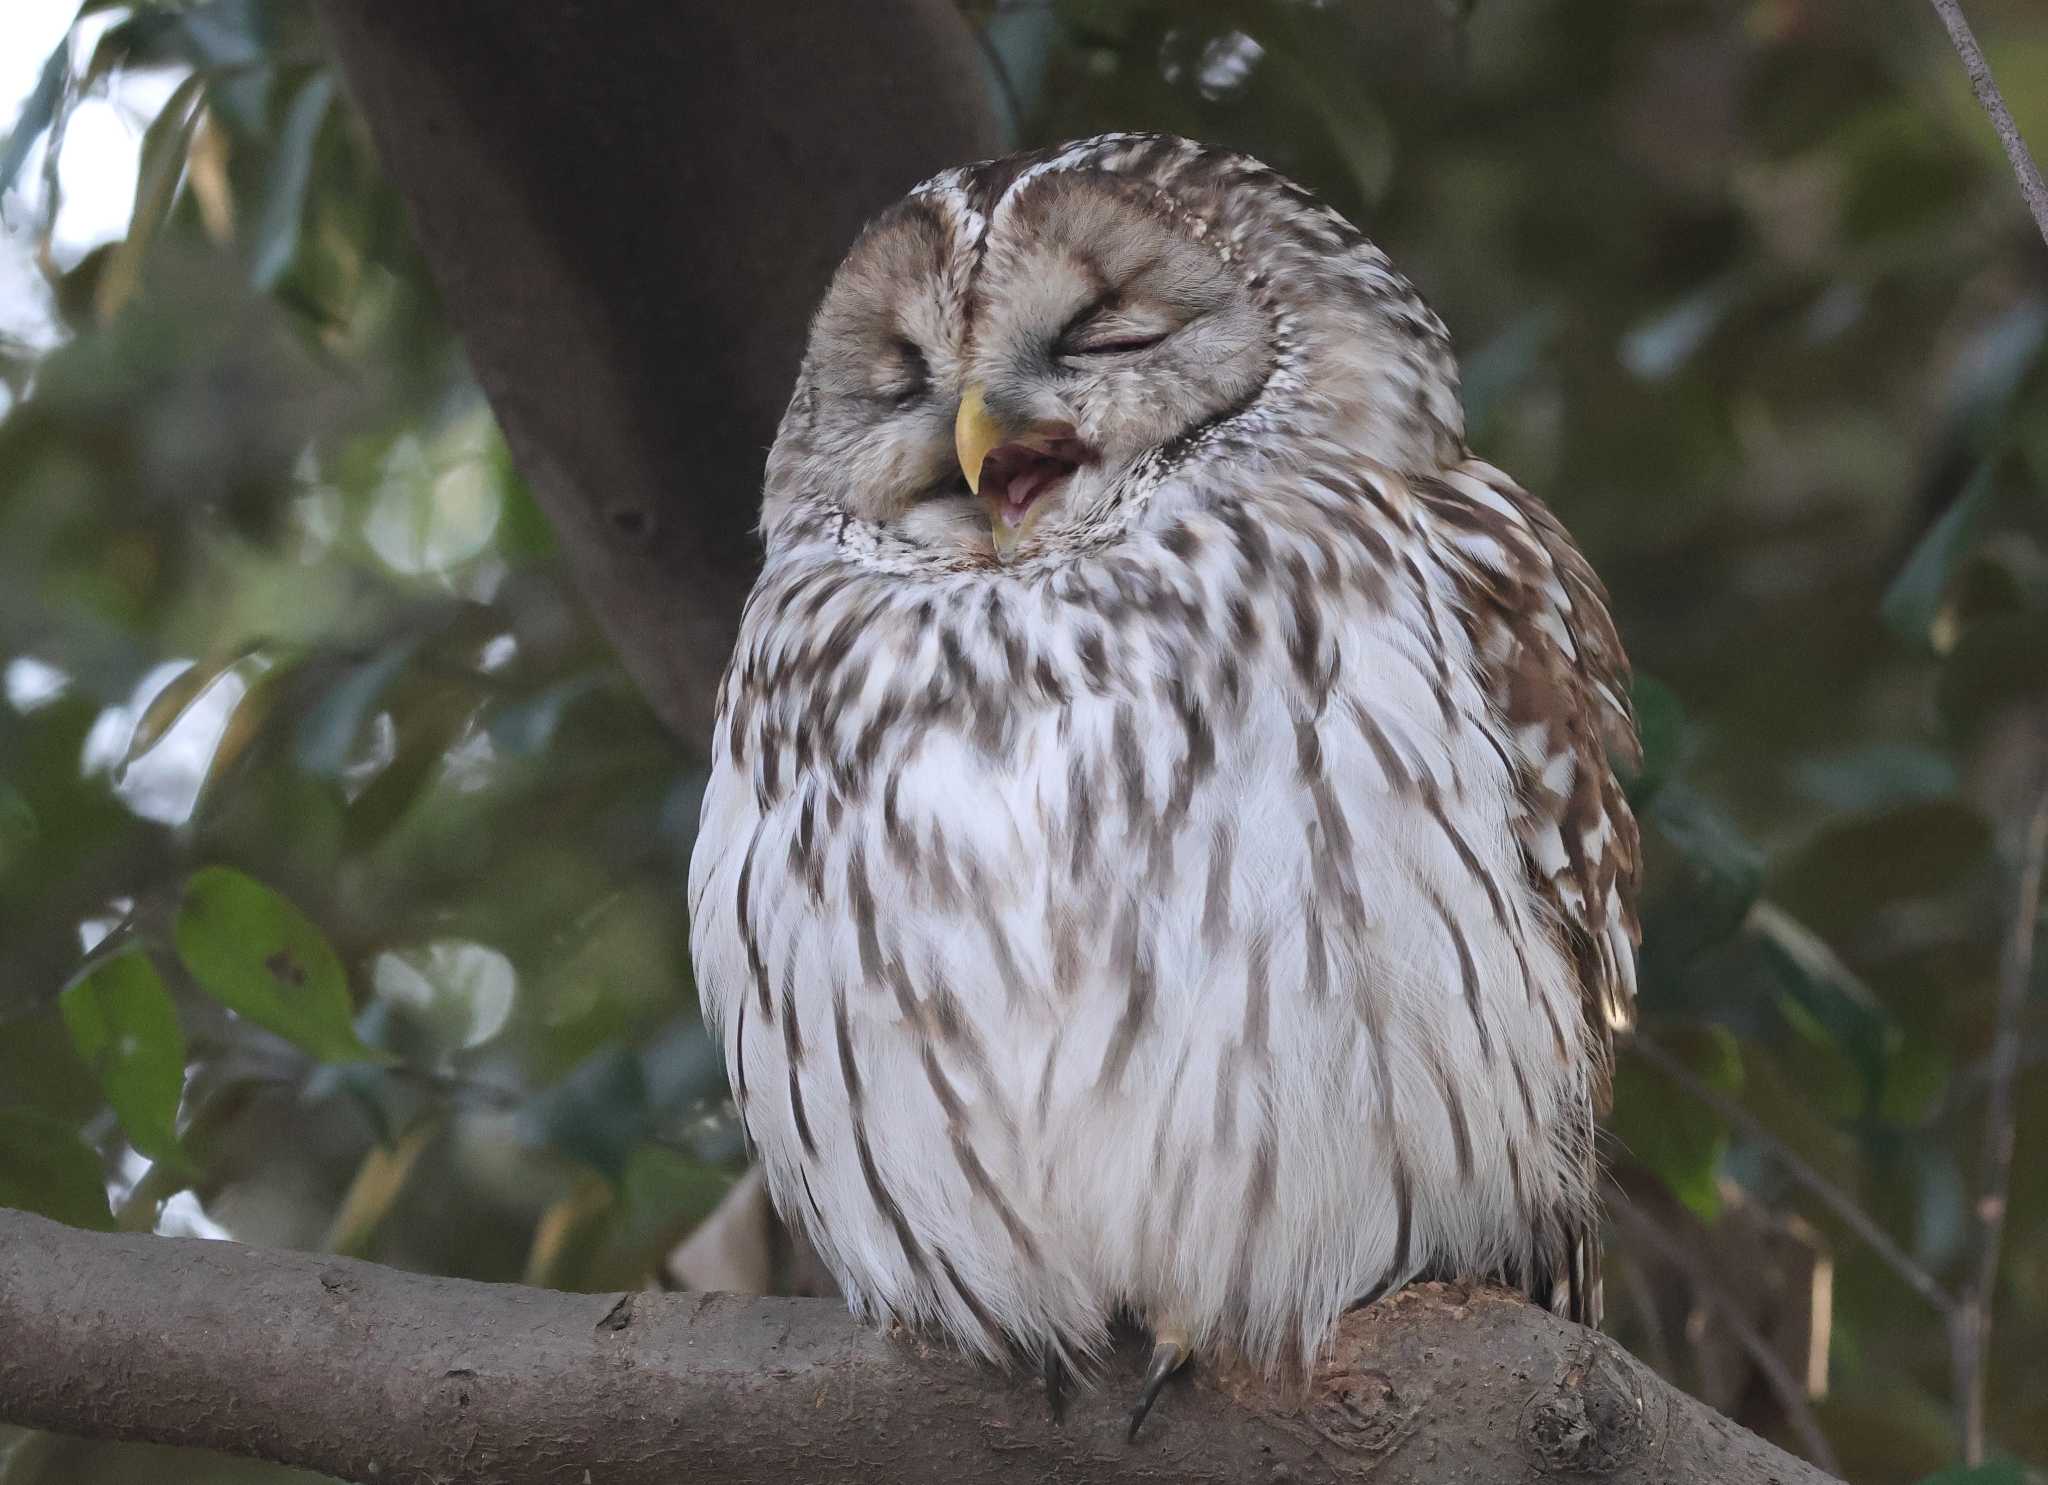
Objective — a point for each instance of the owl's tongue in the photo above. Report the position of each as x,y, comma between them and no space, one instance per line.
1015,475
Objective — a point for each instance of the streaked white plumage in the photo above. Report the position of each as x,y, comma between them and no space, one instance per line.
1218,912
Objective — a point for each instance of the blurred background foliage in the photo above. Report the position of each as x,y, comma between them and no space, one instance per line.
340,866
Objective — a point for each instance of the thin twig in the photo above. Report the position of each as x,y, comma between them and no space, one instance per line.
1964,1085
1840,1202
1969,1323
1788,1389
2032,187
1972,1321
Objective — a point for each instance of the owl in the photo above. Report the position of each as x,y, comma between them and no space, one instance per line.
1162,862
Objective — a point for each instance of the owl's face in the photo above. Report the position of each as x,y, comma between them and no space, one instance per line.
1013,354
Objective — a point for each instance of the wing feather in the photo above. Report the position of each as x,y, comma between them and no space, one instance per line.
1560,677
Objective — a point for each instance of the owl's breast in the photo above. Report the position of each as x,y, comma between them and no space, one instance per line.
1137,939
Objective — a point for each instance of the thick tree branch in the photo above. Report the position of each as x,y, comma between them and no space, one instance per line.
630,211
375,1374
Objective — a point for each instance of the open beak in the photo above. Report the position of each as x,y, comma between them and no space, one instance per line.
1011,470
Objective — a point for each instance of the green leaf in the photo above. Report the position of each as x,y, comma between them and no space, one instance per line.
123,1023
1990,368
164,145
1364,139
1706,901
1916,1077
169,705
426,731
18,828
1660,722
684,1067
327,735
1671,1132
284,192
1708,876
1859,869
1937,1196
262,958
1913,602
598,1114
1877,776
1713,846
1660,347
37,113
144,39
525,729
1841,1006
1999,1472
664,1194
1994,673
1501,367
46,1168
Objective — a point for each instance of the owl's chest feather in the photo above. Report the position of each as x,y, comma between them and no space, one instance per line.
1236,756
1044,920
1210,632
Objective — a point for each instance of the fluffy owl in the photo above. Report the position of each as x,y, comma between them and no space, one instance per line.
1162,859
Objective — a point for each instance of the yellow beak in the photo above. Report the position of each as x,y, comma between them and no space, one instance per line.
974,434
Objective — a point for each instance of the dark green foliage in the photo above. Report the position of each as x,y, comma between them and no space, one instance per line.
45,1167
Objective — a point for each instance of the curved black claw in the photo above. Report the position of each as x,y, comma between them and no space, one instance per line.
1167,1356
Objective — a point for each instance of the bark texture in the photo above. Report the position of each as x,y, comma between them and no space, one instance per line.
378,1375
630,211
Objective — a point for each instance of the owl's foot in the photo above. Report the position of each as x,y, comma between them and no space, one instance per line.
1169,1351
1059,1383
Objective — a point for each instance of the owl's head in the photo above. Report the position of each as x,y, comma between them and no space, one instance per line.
1015,357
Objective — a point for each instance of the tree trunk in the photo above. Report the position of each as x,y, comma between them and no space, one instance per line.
630,211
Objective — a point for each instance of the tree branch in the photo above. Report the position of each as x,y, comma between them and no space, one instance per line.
1972,1320
376,1374
2032,189
630,211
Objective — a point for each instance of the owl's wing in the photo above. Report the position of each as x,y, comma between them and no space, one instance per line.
1561,681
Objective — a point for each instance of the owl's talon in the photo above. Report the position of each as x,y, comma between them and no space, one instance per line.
1058,1381
1169,1351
